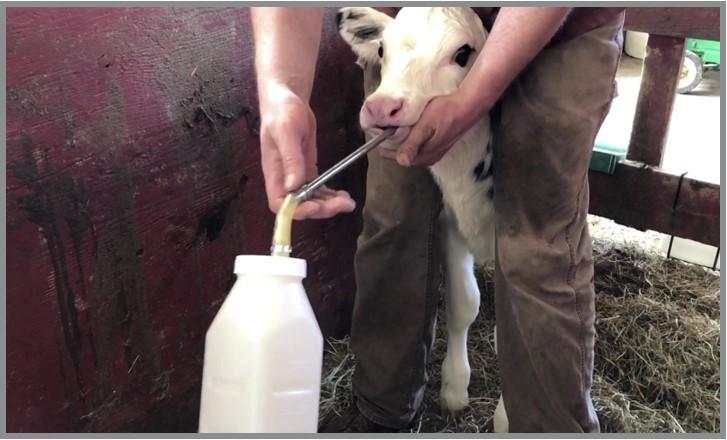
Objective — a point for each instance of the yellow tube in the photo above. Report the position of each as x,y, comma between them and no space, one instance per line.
283,225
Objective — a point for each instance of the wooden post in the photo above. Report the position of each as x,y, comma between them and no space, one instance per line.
659,81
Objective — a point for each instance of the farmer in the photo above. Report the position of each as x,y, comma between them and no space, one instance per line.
546,75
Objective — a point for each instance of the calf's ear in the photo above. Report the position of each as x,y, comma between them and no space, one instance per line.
362,29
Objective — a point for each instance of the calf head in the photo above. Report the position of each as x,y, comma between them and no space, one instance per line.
422,53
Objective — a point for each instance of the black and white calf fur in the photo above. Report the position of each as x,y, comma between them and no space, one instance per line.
425,53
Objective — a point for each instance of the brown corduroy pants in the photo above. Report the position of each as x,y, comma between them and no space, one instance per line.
544,128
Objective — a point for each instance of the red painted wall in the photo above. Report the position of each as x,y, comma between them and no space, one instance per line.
133,181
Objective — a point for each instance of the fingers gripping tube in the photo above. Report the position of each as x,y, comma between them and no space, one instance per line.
284,219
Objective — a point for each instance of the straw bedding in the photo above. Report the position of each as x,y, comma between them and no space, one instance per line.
657,352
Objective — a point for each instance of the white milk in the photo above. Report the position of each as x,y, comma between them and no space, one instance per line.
263,353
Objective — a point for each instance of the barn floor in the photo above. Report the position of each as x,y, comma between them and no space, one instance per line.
657,356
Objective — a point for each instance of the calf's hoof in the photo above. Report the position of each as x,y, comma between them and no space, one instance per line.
452,401
453,395
500,421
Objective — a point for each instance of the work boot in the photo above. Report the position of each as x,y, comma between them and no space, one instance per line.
351,420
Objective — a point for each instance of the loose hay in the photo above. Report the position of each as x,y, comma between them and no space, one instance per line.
657,352
658,339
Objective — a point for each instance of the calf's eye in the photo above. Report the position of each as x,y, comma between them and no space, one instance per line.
381,50
462,56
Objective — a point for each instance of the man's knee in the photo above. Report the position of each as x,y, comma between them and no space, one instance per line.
399,199
531,259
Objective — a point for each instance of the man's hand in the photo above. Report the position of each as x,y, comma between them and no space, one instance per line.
517,36
444,120
286,49
289,156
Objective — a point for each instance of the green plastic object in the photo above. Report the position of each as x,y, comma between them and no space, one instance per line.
606,156
708,50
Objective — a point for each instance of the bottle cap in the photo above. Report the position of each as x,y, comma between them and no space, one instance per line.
269,265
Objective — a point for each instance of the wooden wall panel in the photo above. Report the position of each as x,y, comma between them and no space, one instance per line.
133,181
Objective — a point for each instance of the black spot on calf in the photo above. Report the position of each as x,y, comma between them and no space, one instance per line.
480,172
491,192
488,173
478,169
339,18
367,32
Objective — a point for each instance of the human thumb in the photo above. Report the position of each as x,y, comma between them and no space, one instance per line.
293,162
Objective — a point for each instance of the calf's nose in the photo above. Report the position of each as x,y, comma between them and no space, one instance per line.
384,111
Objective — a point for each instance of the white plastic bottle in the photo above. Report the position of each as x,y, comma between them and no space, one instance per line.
263,353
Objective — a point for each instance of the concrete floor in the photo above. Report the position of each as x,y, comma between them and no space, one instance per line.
693,144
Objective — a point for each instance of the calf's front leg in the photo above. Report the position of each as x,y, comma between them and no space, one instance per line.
462,302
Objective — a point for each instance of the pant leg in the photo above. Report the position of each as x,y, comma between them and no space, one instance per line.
545,301
397,276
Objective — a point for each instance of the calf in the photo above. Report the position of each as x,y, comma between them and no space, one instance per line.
424,53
